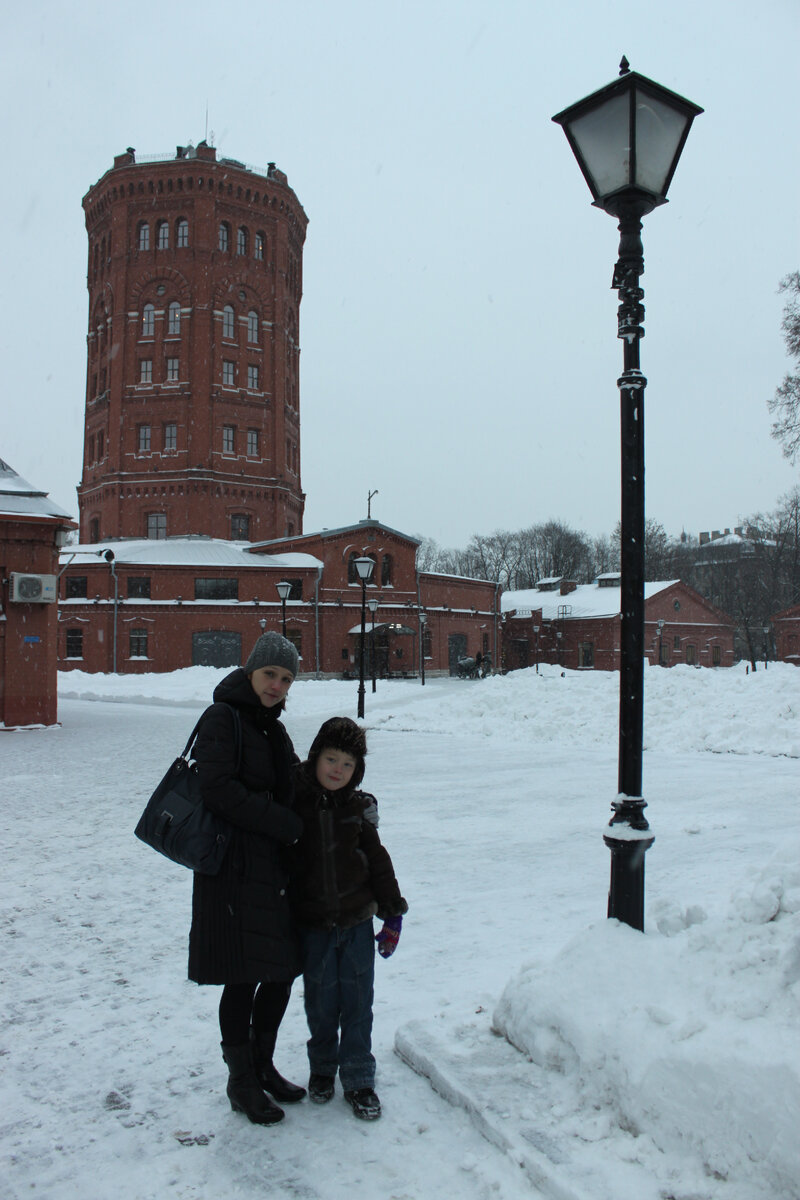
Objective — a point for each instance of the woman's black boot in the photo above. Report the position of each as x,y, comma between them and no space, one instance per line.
270,1079
244,1091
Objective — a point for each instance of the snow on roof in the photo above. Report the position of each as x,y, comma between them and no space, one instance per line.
19,497
587,600
186,552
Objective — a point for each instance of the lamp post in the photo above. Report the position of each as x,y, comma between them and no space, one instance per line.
766,635
660,626
283,590
536,651
423,619
627,138
364,567
372,604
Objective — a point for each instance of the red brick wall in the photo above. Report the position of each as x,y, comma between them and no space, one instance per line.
28,635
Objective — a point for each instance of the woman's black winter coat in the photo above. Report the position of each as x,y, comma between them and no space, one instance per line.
241,925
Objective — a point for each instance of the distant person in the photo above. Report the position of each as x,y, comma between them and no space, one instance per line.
242,934
344,878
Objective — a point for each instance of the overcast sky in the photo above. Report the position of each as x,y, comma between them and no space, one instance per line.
458,330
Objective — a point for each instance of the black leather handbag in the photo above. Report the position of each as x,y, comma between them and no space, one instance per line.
175,821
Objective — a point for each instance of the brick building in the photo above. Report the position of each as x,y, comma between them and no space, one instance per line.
578,626
31,530
192,389
157,605
191,505
786,632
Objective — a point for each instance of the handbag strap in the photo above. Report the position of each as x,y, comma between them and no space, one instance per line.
237,735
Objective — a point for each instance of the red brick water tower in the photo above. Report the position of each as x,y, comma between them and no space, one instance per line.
192,397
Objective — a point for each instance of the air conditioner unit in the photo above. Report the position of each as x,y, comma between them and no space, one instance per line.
32,589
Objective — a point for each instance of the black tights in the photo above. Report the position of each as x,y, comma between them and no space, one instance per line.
264,1003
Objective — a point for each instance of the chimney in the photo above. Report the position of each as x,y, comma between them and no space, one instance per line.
567,586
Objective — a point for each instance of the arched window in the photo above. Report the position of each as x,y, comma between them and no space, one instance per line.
162,242
386,570
182,233
227,321
224,236
174,318
148,320
241,240
258,248
143,236
252,327
352,573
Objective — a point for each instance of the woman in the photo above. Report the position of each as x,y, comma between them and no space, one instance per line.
242,935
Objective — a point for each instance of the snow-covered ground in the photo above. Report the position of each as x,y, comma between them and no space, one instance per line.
599,1062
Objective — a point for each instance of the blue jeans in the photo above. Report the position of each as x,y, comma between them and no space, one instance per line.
338,974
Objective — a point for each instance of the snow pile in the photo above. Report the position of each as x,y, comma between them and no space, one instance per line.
725,711
688,1033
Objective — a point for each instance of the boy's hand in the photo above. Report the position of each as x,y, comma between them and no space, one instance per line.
388,937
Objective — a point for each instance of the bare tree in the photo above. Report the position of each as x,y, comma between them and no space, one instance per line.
785,404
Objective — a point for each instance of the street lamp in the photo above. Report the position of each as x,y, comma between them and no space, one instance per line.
283,590
627,138
364,568
660,627
423,619
536,651
372,604
766,636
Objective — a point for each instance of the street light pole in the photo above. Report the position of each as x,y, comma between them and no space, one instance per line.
423,618
627,138
364,568
372,604
283,589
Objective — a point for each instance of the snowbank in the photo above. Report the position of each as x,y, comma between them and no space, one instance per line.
688,1033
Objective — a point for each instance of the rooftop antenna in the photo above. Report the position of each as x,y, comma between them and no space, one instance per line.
205,135
369,503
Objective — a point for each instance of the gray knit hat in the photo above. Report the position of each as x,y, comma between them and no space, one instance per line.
272,650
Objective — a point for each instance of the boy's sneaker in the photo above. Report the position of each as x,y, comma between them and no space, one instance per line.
320,1088
364,1103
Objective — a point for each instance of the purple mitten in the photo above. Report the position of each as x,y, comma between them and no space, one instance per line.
388,937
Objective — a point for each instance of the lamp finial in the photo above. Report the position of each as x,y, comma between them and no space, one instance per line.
624,66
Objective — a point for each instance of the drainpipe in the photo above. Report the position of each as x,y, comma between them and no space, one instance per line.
317,582
109,557
496,649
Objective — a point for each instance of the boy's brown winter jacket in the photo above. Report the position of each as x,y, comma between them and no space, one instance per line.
343,875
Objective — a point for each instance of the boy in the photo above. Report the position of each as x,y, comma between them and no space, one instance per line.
344,877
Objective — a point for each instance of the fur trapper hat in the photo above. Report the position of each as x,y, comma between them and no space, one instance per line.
272,650
340,733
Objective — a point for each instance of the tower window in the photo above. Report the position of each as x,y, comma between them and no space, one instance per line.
228,439
240,527
174,318
241,240
258,248
163,235
228,321
252,327
252,378
173,367
146,370
143,236
157,526
252,442
148,320
171,436
143,439
224,236
182,233
227,373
